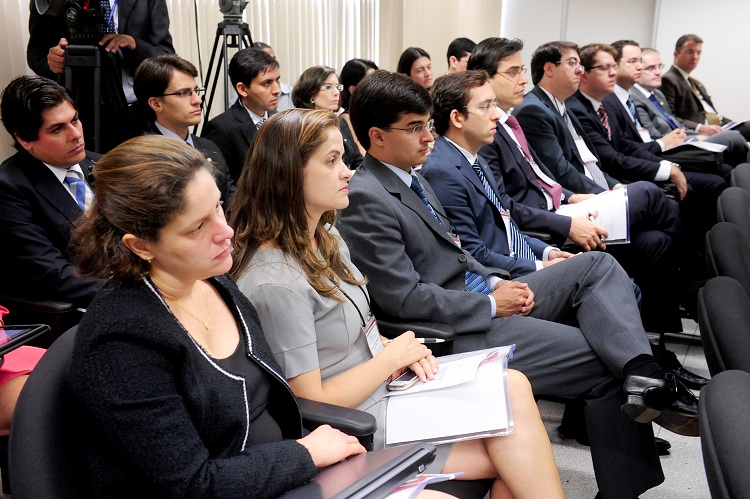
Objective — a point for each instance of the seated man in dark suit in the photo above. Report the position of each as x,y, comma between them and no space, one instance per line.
171,100
613,136
687,97
43,190
656,116
571,341
255,77
654,220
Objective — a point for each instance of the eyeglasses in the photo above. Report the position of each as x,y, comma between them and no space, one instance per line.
328,87
514,73
417,129
187,92
573,63
653,68
485,108
633,62
604,67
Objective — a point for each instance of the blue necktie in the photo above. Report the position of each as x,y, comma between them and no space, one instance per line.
474,282
521,248
108,11
79,188
633,115
653,99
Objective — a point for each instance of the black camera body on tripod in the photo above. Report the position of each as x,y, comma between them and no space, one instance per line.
86,19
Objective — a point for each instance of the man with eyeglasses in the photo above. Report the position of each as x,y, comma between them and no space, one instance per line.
571,321
255,76
656,116
687,97
171,101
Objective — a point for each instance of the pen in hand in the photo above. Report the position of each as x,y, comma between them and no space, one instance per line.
593,221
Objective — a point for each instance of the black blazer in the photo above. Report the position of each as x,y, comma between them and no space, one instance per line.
549,137
628,140
233,131
619,165
683,102
35,221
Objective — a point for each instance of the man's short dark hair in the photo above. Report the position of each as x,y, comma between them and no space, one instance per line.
459,48
153,76
588,53
249,63
24,102
407,59
548,52
619,44
687,38
452,91
491,51
381,99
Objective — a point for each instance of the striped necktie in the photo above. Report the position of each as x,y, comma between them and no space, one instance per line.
521,248
605,121
474,282
260,123
80,190
633,114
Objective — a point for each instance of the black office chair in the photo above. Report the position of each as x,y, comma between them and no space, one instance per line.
724,320
740,176
728,253
724,437
733,206
58,315
46,459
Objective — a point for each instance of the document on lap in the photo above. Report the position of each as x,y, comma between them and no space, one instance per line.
612,208
468,400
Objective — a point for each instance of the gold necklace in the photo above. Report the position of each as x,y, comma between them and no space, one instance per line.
208,311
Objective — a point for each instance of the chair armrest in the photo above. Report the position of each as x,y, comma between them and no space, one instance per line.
422,329
542,236
351,421
47,307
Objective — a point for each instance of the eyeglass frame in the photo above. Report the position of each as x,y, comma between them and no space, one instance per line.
603,67
187,92
653,67
328,87
510,73
485,108
573,63
416,129
633,62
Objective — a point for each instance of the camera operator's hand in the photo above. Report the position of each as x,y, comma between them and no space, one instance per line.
117,41
56,57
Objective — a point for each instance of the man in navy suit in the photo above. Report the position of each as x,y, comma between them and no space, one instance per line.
171,100
43,190
255,77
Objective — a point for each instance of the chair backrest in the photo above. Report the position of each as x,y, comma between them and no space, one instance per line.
724,319
724,437
728,253
740,176
734,206
46,459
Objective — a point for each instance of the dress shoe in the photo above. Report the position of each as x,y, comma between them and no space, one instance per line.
666,402
662,446
691,380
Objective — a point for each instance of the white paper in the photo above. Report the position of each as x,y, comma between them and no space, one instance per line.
612,208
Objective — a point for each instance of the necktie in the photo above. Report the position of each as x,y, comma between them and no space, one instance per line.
633,114
656,103
520,248
605,121
712,118
260,123
553,188
474,282
596,173
108,23
82,192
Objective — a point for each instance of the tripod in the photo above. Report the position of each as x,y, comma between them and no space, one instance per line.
234,34
78,57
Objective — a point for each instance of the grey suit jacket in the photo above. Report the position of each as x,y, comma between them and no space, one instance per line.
650,117
415,270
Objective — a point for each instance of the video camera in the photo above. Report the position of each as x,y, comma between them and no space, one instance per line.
85,18
232,9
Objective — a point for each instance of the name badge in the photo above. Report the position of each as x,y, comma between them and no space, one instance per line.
505,216
645,136
372,334
586,155
455,238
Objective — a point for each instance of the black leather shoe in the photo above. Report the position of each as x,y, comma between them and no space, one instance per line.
666,402
681,416
691,380
662,446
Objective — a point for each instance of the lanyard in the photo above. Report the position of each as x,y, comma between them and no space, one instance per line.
361,317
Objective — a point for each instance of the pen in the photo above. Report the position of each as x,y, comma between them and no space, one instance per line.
430,340
591,217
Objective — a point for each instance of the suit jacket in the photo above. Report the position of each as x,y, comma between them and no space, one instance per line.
686,105
476,220
549,137
618,164
35,222
650,117
628,140
415,270
233,131
147,21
